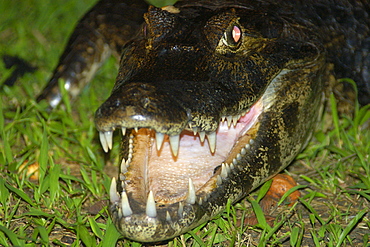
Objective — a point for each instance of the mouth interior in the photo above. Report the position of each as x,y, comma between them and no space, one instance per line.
167,175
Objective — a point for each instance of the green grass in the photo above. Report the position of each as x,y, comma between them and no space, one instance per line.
67,205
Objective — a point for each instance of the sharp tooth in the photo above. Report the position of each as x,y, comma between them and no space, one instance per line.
109,137
180,210
212,141
119,213
125,205
131,140
243,151
202,136
103,141
229,120
238,157
123,130
219,180
174,142
190,125
195,131
168,216
235,162
123,166
191,193
232,167
151,211
235,120
114,197
159,137
136,129
224,170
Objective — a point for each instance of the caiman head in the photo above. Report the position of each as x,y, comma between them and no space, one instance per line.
212,100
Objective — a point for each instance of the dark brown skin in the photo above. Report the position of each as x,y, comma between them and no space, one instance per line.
259,64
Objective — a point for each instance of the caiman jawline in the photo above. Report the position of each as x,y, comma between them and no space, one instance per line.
223,150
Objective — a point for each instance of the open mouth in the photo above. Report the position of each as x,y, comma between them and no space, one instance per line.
158,171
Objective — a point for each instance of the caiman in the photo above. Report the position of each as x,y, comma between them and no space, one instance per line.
212,97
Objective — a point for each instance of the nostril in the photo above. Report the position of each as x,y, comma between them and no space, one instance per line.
145,102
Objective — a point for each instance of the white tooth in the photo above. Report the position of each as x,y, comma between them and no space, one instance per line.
190,125
119,212
238,157
136,129
243,151
232,166
224,171
251,141
229,120
247,146
235,161
174,142
191,193
123,130
202,136
151,211
219,180
103,141
223,119
109,138
114,197
235,120
159,137
200,202
131,140
125,205
212,141
180,210
195,131
168,216
123,166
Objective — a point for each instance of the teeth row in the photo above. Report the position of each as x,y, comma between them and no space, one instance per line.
226,169
124,208
233,119
106,140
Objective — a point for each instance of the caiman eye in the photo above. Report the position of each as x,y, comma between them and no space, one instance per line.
233,36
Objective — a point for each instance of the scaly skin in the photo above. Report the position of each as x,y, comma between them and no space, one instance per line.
191,70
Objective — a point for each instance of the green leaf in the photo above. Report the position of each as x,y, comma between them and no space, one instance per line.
21,194
111,235
14,238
